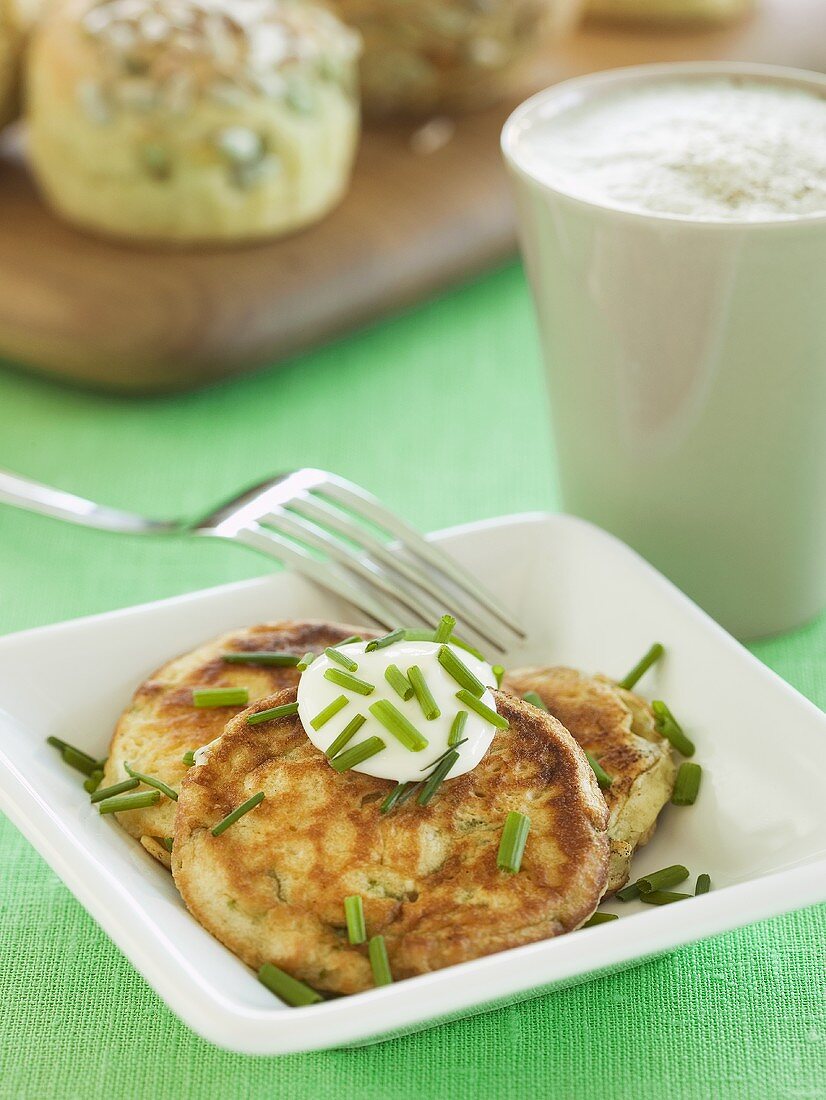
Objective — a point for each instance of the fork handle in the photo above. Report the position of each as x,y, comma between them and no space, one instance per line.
32,496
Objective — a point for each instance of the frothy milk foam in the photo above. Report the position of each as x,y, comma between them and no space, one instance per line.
729,148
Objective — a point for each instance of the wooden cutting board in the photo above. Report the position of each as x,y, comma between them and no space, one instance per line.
144,321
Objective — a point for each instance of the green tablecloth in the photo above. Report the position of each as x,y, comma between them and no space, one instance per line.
442,414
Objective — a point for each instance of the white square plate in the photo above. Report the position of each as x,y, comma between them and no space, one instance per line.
758,828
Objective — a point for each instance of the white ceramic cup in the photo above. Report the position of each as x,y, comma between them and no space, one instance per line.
686,361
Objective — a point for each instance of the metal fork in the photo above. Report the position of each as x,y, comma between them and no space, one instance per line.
326,528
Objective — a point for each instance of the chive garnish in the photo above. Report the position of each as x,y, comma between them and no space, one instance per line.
102,793
459,671
398,682
661,880
354,915
512,844
388,639
603,778
472,703
56,743
346,735
429,636
641,667
330,711
499,673
445,629
395,722
703,885
352,683
284,711
350,758
447,752
120,803
687,784
535,700
437,777
457,729
662,897
152,781
377,950
628,893
188,758
262,657
289,989
599,918
349,640
93,782
424,696
165,842
671,729
79,760
239,811
341,659
305,662
398,796
220,697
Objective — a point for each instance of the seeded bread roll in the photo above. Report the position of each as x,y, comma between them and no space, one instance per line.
427,56
193,120
16,20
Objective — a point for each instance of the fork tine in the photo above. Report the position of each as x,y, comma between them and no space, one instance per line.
319,512
265,542
365,505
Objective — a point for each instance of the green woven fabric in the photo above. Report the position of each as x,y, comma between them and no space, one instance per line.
441,413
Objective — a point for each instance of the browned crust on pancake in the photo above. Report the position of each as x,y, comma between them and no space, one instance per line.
272,886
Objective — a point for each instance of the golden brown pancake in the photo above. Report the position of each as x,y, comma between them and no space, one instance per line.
617,728
161,723
272,886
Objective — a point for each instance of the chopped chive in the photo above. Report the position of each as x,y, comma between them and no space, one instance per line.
445,628
388,639
289,989
437,777
262,657
341,659
535,700
80,761
125,802
395,722
350,758
472,703
346,735
671,729
459,671
188,757
512,844
152,781
398,682
284,711
462,644
354,915
165,842
687,784
424,696
398,796
238,812
662,897
56,743
419,635
93,782
447,752
499,673
661,880
220,697
103,793
305,662
703,885
377,950
349,640
352,683
457,729
628,893
629,680
330,711
599,918
603,778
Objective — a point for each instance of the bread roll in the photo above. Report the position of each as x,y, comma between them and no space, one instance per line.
193,120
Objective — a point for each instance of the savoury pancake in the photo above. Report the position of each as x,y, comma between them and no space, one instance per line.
272,886
162,724
617,728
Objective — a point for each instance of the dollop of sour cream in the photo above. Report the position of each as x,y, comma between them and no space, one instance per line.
315,692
